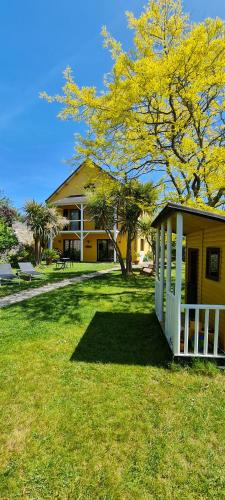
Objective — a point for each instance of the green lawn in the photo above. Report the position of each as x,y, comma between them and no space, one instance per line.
51,273
90,407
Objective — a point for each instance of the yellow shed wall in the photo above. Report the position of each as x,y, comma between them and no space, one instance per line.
210,291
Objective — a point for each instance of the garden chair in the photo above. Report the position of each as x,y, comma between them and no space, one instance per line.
149,270
6,273
27,269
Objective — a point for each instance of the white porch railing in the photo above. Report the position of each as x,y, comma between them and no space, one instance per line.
157,298
200,336
171,319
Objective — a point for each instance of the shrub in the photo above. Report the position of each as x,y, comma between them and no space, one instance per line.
49,255
8,238
22,253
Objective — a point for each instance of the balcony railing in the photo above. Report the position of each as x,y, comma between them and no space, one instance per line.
75,225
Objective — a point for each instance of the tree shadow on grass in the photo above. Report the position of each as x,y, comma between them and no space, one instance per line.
123,338
68,305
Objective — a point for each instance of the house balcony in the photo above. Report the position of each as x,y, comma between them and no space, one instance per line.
74,226
80,224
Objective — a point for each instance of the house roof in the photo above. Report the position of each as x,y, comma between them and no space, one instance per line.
194,219
70,200
72,175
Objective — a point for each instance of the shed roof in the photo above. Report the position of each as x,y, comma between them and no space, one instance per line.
193,218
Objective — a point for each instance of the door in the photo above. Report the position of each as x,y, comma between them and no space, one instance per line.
192,282
104,251
72,249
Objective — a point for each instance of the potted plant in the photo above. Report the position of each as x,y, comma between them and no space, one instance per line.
50,255
136,258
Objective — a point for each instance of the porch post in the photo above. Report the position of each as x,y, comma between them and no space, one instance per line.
81,232
162,273
157,253
115,234
178,282
168,255
168,275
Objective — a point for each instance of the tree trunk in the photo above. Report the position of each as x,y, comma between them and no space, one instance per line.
118,252
129,254
37,250
152,244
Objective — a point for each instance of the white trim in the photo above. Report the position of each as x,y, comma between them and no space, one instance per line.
168,255
94,231
178,281
115,233
200,355
82,232
205,330
157,252
168,278
101,231
203,306
162,272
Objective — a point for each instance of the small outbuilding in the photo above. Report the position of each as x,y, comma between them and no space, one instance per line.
190,280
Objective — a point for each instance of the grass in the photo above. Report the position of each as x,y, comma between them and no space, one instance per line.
92,408
50,274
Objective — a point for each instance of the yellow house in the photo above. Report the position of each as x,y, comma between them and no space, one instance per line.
81,239
192,317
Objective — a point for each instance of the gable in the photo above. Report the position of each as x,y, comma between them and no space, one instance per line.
87,173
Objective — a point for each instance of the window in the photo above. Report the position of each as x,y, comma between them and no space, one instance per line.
213,263
142,245
74,216
72,249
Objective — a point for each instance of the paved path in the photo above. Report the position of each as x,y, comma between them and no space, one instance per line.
32,292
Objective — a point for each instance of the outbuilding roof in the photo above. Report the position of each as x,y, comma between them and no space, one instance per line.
194,218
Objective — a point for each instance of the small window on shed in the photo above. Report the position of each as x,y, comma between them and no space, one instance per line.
142,245
213,263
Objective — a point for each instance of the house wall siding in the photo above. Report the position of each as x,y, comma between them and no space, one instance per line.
90,244
88,173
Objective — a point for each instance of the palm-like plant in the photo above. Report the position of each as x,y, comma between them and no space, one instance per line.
122,203
146,231
137,199
44,222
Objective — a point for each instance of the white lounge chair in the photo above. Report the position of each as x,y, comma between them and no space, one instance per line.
28,269
6,273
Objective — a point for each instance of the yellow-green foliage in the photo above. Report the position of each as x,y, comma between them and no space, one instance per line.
163,105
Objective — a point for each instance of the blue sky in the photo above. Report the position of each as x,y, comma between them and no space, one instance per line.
38,39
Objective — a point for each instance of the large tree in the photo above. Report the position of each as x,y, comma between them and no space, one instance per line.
123,204
163,106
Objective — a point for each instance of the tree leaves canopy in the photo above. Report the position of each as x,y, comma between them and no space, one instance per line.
163,106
